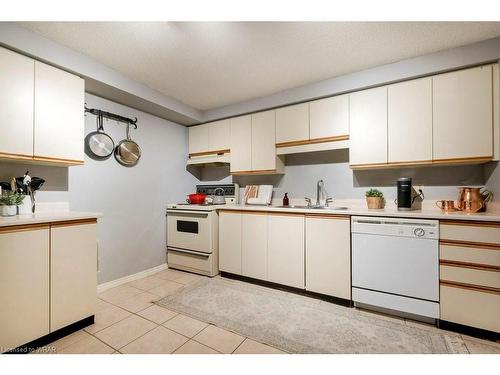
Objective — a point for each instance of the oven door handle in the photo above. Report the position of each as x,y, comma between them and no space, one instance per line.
176,249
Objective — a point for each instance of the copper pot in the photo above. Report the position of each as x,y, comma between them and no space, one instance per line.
473,200
446,205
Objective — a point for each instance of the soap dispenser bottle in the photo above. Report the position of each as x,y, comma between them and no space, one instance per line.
286,202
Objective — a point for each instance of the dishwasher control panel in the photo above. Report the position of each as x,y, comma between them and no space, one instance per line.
416,228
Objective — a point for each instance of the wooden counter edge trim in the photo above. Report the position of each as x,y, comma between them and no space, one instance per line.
263,212
214,152
459,243
470,223
23,227
477,288
477,266
57,160
327,216
313,141
67,223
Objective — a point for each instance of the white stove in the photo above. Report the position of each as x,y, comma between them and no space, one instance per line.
193,232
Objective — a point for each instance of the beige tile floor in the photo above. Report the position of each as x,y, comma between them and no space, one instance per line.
127,321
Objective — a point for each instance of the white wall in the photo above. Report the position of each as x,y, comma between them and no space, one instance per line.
132,233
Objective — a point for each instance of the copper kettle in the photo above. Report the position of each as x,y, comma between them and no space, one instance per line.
472,200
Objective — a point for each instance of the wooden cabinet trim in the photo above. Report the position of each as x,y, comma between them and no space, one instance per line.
313,141
260,171
218,152
68,223
493,224
477,288
477,266
57,160
479,245
23,228
8,155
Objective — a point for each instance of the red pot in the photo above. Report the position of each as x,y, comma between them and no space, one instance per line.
196,198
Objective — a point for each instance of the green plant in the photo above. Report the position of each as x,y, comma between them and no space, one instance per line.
374,193
11,199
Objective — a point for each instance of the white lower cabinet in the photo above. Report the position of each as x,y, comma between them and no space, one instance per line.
230,242
24,285
285,249
73,273
254,236
328,255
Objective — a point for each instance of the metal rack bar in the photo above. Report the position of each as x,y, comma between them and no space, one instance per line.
112,116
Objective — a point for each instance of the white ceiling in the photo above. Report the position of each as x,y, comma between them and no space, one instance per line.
208,65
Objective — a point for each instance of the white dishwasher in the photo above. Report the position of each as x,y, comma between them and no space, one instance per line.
395,264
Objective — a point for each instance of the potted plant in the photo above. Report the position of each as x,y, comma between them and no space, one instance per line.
9,202
374,199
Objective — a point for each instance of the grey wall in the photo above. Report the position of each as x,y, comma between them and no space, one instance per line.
132,233
303,170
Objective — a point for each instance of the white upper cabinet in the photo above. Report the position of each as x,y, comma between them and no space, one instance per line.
368,127
16,109
329,118
292,123
198,138
241,143
263,141
59,116
462,114
219,135
409,134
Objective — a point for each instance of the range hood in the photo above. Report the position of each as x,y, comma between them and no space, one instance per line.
209,160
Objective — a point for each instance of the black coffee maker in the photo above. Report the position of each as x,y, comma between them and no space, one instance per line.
405,197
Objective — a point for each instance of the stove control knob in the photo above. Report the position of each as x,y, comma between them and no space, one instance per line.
419,232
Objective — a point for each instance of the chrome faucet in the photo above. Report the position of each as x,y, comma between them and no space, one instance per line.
321,198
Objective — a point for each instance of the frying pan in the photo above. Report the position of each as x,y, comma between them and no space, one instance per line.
127,152
98,144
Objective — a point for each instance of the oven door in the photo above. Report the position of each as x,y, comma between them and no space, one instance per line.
190,230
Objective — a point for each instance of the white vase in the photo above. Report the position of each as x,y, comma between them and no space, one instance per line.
8,210
25,207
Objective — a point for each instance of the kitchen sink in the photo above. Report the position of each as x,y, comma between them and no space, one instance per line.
315,207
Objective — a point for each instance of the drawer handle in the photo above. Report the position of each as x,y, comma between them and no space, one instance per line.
483,245
477,266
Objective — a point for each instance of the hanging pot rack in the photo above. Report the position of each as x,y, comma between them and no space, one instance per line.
112,116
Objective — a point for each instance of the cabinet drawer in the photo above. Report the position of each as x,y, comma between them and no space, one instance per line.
471,276
484,233
470,307
476,255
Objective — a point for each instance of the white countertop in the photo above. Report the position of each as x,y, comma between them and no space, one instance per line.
427,213
47,217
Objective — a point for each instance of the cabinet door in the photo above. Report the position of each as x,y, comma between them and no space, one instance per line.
254,245
410,121
59,120
230,242
368,127
24,285
285,251
73,273
241,143
198,138
292,123
16,110
328,256
219,134
263,141
462,114
329,117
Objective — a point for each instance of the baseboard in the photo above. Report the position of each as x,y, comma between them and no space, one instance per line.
123,280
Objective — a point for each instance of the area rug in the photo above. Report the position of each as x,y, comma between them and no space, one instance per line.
299,324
